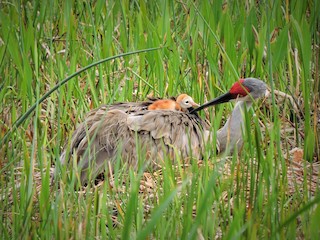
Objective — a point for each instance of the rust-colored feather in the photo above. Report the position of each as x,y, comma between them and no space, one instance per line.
182,103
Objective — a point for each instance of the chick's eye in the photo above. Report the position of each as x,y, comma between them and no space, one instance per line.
187,102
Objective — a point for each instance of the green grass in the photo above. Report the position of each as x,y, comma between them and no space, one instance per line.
202,48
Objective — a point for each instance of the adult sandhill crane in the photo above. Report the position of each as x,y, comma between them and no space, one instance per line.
182,103
132,132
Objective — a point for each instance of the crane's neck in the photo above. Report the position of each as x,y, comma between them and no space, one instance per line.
230,135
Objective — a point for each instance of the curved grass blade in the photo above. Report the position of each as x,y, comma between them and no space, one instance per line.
22,118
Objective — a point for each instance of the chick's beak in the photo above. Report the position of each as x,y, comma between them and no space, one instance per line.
194,104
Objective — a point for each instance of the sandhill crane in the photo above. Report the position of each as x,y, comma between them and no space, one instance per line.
182,103
132,132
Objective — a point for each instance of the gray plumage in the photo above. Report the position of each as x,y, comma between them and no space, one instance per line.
112,130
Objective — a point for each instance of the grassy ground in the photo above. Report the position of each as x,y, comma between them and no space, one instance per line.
269,190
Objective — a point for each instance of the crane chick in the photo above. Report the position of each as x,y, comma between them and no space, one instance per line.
182,103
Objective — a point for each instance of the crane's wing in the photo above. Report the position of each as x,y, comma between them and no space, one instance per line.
179,130
108,133
128,107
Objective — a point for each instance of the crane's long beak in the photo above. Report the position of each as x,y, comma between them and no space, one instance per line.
194,104
221,99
